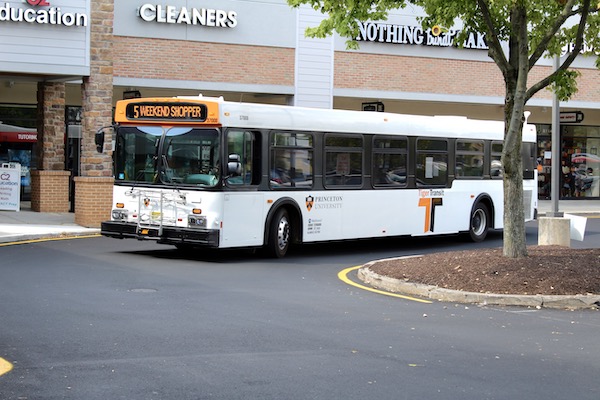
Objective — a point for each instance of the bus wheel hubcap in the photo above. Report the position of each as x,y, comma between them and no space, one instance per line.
478,222
283,233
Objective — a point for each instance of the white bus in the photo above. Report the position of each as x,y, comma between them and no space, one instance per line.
204,172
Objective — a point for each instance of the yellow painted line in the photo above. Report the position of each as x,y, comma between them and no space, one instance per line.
49,239
343,276
5,366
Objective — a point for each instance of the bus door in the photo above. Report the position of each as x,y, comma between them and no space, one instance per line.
244,205
243,219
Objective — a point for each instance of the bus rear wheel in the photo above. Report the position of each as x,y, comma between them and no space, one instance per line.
279,234
480,222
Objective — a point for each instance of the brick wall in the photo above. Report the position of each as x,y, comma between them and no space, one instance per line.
230,63
50,191
93,200
439,76
416,74
198,61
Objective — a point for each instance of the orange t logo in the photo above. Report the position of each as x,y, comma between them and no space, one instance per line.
429,203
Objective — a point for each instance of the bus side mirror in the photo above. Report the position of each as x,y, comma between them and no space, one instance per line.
234,166
99,139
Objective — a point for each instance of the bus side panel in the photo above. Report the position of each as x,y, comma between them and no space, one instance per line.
243,222
323,215
406,212
382,213
460,199
335,215
365,214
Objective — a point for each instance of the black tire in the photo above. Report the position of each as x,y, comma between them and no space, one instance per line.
279,234
479,223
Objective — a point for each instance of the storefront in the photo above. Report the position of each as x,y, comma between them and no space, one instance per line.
17,145
579,164
255,51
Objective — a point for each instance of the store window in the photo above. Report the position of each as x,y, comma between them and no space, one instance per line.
579,162
580,146
18,138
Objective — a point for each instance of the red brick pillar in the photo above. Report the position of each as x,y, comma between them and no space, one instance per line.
50,191
93,200
50,182
93,189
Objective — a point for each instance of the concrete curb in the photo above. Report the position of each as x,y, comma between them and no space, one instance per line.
575,302
24,237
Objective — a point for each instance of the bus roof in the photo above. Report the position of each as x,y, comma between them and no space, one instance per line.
266,116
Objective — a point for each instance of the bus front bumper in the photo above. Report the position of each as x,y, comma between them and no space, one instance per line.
169,235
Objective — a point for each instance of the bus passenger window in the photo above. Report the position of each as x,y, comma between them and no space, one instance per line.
432,162
343,160
469,159
496,160
243,149
291,160
390,162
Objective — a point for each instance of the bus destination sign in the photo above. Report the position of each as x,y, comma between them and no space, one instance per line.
169,111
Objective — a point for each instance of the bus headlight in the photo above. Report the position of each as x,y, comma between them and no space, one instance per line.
196,221
119,215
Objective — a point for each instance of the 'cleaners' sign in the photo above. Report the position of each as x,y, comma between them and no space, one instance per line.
188,16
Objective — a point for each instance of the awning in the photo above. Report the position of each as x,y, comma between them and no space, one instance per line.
17,134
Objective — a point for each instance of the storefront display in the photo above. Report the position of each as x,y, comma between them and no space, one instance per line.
17,145
579,164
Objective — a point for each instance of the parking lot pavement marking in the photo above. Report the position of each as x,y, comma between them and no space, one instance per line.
343,276
5,366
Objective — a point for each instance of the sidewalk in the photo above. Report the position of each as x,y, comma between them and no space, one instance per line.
28,225
570,206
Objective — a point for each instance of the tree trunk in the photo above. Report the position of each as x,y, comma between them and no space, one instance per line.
514,217
514,244
512,162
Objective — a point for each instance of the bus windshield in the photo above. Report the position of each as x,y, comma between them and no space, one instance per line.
160,155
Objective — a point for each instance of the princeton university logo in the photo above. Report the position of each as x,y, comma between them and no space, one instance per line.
324,202
310,201
146,201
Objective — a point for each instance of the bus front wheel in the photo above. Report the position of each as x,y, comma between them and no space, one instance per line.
480,222
279,234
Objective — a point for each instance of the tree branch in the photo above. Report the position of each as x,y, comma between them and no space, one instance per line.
495,48
519,51
542,46
571,55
